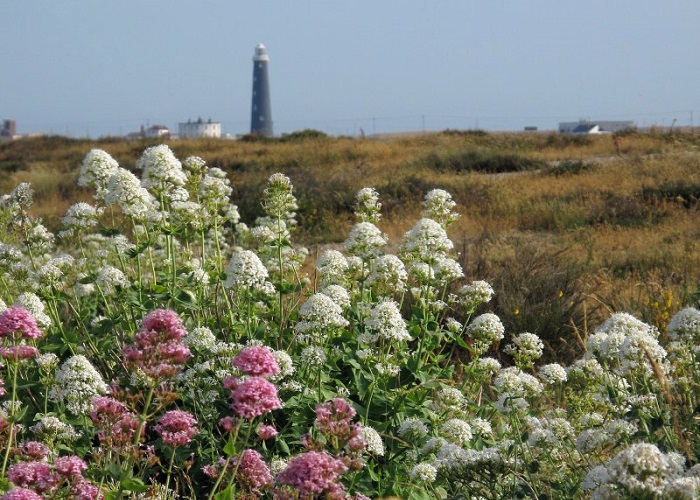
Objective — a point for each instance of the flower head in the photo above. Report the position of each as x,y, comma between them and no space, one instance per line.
385,321
246,271
320,314
177,428
258,361
252,473
365,241
253,397
95,171
438,205
161,169
21,494
77,383
312,474
367,206
18,323
159,349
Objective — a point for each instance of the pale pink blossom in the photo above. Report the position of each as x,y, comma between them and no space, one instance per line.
310,475
257,361
253,397
16,322
177,428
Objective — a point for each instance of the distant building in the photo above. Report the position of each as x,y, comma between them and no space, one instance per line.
8,130
595,127
156,131
261,110
152,132
199,128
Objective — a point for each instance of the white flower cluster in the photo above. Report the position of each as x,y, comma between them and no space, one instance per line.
339,295
549,432
425,241
552,373
320,315
412,429
628,345
77,383
32,303
278,201
642,471
125,190
456,431
684,338
450,401
525,348
332,266
385,322
372,440
388,275
81,216
53,272
200,339
515,388
97,167
474,294
438,205
485,330
162,171
365,241
367,206
110,279
50,429
246,271
601,434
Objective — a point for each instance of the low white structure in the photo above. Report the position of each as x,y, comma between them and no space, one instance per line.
595,127
200,128
157,131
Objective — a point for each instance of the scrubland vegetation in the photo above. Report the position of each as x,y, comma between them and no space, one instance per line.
446,315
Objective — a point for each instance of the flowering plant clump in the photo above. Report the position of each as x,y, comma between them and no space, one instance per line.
158,346
159,351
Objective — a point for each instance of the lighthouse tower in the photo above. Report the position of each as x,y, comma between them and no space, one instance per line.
261,113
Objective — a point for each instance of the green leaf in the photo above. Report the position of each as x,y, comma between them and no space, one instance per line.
187,299
134,484
230,448
226,494
283,447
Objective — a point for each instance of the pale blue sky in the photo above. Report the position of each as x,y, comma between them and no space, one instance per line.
94,67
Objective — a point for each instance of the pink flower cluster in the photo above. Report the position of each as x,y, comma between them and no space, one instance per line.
257,361
311,475
252,397
16,326
252,473
33,450
266,432
159,351
334,421
16,322
177,428
41,477
116,425
21,494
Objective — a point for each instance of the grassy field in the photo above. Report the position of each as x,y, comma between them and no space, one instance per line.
565,228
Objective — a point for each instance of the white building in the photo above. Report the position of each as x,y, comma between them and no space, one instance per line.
200,128
157,131
595,127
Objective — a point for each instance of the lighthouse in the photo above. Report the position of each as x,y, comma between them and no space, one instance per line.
261,112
